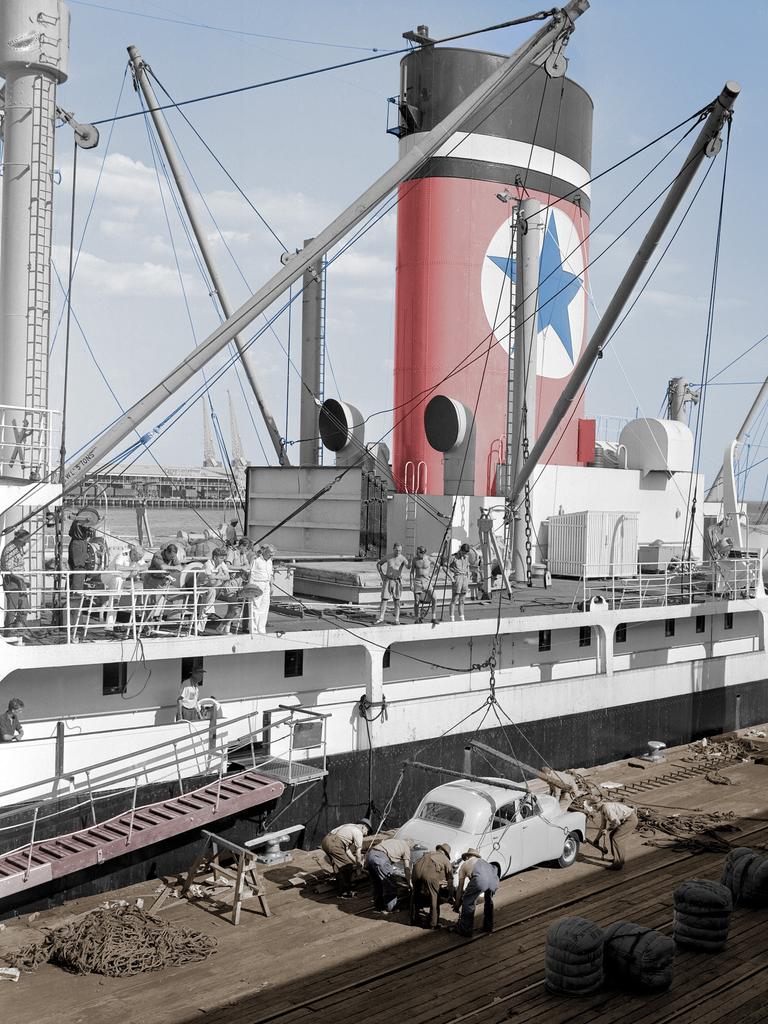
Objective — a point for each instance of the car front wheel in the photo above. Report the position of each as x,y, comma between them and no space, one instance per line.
570,849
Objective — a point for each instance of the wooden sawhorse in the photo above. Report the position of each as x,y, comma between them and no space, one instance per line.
244,874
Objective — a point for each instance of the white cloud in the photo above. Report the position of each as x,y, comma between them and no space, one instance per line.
123,278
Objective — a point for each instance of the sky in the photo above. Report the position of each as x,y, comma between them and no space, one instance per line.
303,150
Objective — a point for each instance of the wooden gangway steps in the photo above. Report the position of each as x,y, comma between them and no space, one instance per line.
40,862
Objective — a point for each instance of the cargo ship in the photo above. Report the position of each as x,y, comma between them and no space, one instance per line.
608,603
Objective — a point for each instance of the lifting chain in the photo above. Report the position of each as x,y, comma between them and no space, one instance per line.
528,518
492,675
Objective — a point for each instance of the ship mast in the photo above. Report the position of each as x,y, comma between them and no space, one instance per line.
707,144
141,76
515,68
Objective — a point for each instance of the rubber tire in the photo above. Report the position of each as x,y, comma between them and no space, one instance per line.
572,842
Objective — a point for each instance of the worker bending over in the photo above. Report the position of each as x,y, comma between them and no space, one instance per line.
380,863
430,874
615,821
343,846
560,784
476,877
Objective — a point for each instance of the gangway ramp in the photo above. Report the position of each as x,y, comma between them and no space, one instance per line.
41,862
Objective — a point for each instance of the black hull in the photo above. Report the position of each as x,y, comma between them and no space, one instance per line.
356,780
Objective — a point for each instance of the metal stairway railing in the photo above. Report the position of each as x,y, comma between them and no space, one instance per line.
46,860
40,860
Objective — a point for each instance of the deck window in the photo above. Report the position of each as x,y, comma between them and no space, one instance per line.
585,636
114,679
621,633
701,623
545,639
728,620
386,658
188,664
294,664
669,627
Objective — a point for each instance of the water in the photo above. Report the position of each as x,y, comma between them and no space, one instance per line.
164,522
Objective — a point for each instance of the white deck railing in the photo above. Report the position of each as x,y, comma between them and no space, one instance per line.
69,607
29,440
681,583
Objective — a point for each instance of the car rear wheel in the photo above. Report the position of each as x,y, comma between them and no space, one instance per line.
570,849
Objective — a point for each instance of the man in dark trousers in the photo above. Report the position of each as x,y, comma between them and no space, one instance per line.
431,873
380,863
476,877
343,847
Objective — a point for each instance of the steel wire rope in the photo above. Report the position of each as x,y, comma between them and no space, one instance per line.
197,256
619,163
707,353
155,154
540,16
91,206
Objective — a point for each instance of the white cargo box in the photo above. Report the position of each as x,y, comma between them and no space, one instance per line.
593,544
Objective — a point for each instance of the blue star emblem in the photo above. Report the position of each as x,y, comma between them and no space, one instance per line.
557,289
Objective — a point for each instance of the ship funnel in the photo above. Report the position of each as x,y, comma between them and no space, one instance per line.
342,430
449,427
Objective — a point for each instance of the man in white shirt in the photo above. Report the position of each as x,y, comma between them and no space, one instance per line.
188,700
260,579
214,577
615,821
380,864
343,848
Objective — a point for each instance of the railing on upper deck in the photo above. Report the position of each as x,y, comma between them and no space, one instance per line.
680,583
71,607
29,440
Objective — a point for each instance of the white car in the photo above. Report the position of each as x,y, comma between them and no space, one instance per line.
512,829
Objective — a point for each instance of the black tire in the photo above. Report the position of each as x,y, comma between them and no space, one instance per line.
570,850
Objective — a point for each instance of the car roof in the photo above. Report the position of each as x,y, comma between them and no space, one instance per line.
463,793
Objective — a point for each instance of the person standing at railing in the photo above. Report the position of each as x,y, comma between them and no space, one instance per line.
260,580
188,701
458,570
21,434
10,726
12,565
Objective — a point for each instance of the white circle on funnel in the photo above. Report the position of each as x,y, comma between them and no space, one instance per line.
562,300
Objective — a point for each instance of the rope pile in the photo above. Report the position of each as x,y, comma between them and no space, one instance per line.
116,942
692,831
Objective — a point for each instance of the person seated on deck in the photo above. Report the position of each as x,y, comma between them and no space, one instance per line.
164,570
216,583
241,556
188,701
343,848
10,726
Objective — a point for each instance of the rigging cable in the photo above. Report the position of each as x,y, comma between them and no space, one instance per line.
707,353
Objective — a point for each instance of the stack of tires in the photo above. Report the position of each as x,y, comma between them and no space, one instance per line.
638,957
702,916
574,957
745,873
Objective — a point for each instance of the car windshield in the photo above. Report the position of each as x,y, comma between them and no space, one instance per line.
442,814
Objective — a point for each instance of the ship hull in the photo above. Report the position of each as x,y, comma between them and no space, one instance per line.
358,778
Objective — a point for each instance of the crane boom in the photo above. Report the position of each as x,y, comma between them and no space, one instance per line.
424,145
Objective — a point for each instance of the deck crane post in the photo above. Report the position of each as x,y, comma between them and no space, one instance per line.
140,70
707,144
